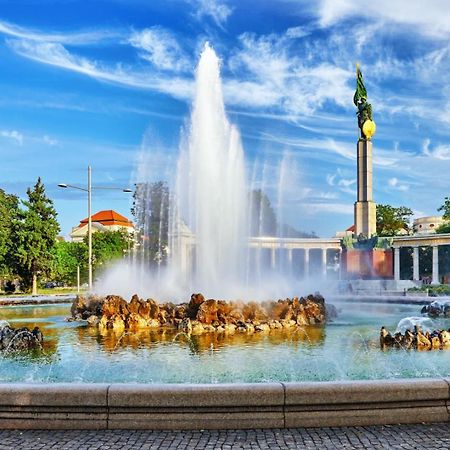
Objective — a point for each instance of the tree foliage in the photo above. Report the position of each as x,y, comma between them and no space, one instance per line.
263,221
9,207
67,257
446,209
108,246
393,220
34,235
151,212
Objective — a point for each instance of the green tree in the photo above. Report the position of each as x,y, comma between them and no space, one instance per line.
263,221
34,236
67,257
445,226
108,246
150,209
446,209
9,207
392,221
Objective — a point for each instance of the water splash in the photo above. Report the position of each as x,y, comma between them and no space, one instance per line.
211,185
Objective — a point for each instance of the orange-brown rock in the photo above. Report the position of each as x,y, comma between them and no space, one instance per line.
113,312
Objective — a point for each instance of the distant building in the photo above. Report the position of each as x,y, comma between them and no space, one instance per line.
427,225
107,220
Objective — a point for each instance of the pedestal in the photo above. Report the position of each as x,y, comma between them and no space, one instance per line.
367,264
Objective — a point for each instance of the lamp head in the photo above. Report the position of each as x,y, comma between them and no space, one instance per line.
62,185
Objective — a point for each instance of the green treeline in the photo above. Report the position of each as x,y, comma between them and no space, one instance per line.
31,252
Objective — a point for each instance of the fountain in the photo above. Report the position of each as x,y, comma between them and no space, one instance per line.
271,346
208,205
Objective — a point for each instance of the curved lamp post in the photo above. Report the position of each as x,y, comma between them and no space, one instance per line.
89,189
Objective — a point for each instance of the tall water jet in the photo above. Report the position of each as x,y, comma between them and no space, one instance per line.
211,187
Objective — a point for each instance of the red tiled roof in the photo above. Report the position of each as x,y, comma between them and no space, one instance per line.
352,228
108,218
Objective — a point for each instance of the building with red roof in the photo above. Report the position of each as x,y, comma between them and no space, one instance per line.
107,220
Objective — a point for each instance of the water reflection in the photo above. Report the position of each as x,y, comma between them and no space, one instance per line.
112,341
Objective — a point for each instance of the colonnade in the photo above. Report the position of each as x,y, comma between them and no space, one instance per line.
415,255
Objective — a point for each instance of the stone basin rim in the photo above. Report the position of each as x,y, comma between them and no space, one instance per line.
223,406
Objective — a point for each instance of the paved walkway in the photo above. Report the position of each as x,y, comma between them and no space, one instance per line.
430,436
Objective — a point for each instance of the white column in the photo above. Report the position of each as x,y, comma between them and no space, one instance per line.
416,263
324,261
306,262
435,271
273,257
289,256
397,263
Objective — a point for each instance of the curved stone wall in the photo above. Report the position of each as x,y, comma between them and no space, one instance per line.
223,406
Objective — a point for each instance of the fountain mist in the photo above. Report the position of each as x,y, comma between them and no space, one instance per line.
210,212
211,188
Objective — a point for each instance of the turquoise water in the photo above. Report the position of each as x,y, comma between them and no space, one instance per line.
347,349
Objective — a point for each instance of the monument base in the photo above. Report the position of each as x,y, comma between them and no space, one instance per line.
367,264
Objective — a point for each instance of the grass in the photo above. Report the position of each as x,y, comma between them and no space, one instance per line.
433,290
46,291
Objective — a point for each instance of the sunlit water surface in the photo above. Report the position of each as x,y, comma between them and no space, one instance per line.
347,349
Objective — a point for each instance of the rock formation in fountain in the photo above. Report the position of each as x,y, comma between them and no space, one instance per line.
12,340
200,315
417,339
437,309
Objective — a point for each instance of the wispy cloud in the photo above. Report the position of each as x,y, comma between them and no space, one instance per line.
441,152
49,141
56,54
339,181
217,10
158,46
395,184
427,17
271,75
12,134
77,38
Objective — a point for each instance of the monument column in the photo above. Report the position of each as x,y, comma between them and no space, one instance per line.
435,269
397,263
416,263
365,209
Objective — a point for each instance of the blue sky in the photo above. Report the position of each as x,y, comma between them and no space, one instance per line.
109,83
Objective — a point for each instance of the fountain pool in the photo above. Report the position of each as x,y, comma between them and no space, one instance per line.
346,349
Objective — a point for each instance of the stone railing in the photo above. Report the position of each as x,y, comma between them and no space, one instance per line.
223,406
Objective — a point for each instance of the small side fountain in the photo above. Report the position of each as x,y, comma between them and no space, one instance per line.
415,339
437,309
19,339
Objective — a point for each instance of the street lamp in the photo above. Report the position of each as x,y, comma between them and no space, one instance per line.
89,192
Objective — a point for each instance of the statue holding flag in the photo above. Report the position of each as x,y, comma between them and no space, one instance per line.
365,121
